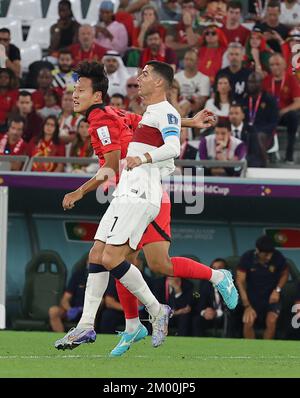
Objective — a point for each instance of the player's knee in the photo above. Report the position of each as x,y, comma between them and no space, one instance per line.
54,311
107,261
95,255
249,324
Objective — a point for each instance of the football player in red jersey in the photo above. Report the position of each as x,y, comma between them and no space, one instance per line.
110,139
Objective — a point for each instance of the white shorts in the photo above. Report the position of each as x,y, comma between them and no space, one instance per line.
126,219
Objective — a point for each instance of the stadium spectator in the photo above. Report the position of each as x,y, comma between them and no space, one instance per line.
274,31
127,19
213,44
116,72
169,10
63,76
209,308
47,144
237,74
51,105
8,95
32,120
117,101
149,20
222,146
237,118
81,147
12,54
12,142
87,49
183,106
187,151
133,101
215,11
178,294
221,101
286,89
71,304
65,31
290,49
44,85
234,31
262,115
257,52
194,85
110,34
156,50
261,275
68,120
178,39
290,13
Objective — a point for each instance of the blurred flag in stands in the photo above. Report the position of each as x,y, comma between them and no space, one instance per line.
80,231
287,238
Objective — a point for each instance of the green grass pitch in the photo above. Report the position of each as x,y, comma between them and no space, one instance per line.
31,354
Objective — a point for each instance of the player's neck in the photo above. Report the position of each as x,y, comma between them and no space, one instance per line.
155,99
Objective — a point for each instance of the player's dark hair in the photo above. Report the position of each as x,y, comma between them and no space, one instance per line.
235,4
24,93
224,123
96,73
16,119
164,70
265,244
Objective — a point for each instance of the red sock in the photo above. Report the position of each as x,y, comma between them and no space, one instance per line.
186,268
128,301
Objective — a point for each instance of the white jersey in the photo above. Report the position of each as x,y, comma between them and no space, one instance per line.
159,122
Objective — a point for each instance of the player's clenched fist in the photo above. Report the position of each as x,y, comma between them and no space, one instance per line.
71,198
132,162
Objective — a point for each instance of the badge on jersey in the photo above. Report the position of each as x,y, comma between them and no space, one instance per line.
104,136
172,119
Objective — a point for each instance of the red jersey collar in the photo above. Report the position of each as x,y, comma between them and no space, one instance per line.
91,108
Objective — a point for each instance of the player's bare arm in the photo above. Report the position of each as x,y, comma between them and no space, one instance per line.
110,168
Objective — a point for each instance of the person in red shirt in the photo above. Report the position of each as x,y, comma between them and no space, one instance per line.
213,44
47,144
111,131
12,142
44,85
232,28
290,49
156,50
8,95
286,88
87,49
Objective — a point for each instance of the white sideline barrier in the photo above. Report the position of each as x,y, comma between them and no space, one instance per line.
3,243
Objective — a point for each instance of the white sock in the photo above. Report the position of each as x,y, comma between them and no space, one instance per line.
132,324
216,276
135,283
95,288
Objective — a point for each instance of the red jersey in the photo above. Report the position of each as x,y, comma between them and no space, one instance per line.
17,149
285,90
110,129
95,53
240,34
7,102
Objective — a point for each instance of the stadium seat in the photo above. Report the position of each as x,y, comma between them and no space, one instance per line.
52,12
30,53
15,27
45,280
25,11
39,32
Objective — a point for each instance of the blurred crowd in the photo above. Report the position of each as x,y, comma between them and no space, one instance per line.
242,64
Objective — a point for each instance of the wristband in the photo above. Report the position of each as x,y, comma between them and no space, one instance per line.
143,159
